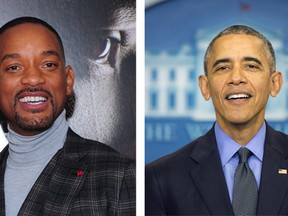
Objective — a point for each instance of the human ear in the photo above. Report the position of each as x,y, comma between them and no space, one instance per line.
276,83
204,86
70,76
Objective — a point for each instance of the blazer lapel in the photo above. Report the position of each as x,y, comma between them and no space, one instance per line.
273,186
209,178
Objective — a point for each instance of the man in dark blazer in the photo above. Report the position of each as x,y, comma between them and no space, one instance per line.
47,169
85,177
198,179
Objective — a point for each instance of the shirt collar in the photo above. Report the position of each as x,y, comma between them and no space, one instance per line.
228,147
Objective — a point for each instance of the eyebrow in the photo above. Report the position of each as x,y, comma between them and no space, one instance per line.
227,60
253,59
50,53
17,55
219,61
7,56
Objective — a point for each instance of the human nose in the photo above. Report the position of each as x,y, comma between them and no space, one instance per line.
237,76
32,77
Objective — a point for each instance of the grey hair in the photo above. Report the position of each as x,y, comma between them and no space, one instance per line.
245,30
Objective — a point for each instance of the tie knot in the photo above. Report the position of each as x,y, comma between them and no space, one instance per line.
244,154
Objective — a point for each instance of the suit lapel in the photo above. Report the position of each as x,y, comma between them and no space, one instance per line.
209,178
273,186
56,188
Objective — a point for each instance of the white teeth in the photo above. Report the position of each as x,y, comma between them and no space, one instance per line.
32,99
238,96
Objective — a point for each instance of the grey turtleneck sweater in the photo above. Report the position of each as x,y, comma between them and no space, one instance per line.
28,156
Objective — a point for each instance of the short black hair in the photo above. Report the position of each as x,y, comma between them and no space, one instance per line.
34,20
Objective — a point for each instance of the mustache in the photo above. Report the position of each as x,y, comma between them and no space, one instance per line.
33,89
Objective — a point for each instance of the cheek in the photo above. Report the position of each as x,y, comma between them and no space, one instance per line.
57,83
59,91
216,98
261,86
7,88
216,88
7,100
263,91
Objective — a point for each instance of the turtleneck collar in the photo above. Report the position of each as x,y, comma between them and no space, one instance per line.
32,150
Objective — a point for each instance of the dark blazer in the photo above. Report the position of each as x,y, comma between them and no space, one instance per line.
191,181
83,178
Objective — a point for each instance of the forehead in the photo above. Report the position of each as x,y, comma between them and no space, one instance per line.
27,34
238,48
236,44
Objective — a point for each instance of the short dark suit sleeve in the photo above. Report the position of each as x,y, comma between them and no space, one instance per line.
154,203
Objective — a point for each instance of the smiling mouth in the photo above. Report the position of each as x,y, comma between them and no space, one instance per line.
33,100
238,96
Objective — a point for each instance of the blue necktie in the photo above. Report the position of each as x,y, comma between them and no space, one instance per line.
245,191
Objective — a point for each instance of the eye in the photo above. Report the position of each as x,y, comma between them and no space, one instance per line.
251,67
103,56
223,68
50,66
108,48
13,68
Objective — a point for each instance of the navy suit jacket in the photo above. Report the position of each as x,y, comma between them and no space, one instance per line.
85,177
191,181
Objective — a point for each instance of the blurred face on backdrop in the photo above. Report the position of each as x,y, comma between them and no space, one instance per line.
239,80
34,81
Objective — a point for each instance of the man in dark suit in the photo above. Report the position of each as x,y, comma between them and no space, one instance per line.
47,169
201,178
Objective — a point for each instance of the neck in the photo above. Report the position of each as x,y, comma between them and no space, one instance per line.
24,150
241,133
